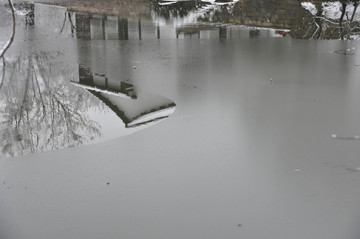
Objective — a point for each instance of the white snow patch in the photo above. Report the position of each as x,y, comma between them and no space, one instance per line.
101,90
355,37
153,116
192,17
166,3
310,7
214,2
331,10
21,12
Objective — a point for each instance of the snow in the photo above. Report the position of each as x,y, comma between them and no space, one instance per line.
310,7
192,17
101,90
153,116
219,3
166,3
355,37
331,10
21,12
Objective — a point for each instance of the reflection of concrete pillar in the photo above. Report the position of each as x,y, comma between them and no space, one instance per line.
103,26
82,25
97,27
139,26
222,32
106,83
254,33
123,29
158,32
85,76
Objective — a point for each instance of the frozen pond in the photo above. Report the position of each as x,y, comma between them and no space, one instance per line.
181,130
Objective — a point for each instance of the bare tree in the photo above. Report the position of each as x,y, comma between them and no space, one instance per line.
356,4
67,16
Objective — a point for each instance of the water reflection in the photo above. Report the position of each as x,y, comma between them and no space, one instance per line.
302,19
36,111
179,20
120,98
100,83
41,110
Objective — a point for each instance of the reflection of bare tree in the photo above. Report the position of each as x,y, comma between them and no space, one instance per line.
3,73
41,112
356,4
67,17
9,42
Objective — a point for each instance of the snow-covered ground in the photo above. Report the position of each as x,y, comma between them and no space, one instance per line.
193,16
108,92
153,116
310,7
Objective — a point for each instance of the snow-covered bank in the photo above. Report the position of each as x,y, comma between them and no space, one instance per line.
206,7
332,10
333,20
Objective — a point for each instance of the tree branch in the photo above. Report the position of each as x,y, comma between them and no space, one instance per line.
3,74
9,42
